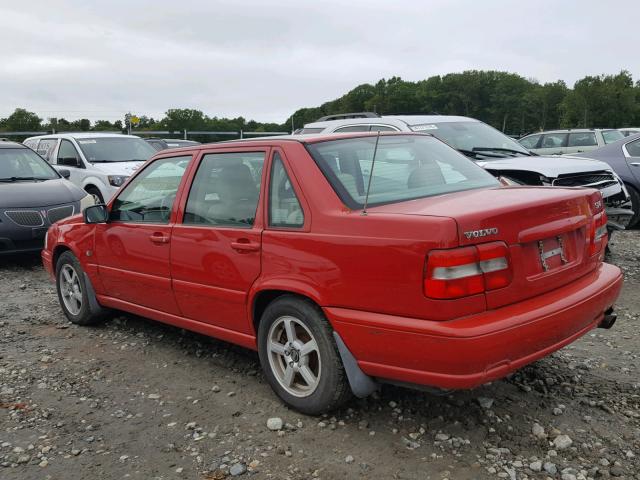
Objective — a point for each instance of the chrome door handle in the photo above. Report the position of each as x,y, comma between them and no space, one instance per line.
636,164
159,238
245,246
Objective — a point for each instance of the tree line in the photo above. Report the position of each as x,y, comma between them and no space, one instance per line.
508,101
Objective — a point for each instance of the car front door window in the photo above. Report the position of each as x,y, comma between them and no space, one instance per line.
68,155
150,196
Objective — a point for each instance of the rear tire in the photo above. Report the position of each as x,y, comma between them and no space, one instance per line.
96,194
73,292
300,358
635,205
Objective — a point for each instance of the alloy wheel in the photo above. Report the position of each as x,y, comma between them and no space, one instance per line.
294,356
70,289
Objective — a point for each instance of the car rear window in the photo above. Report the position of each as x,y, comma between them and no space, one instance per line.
406,167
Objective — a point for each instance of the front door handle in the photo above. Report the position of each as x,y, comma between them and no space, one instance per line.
159,238
244,245
636,164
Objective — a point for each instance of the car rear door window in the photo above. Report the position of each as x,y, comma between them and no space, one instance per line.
530,142
149,197
582,139
46,147
225,190
284,207
553,140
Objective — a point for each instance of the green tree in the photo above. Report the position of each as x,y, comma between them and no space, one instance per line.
21,120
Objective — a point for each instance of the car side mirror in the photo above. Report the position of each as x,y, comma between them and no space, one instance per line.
64,173
96,214
69,161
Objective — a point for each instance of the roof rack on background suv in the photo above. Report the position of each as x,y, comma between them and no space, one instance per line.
342,116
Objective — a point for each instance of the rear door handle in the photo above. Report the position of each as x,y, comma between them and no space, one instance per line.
159,238
243,246
636,164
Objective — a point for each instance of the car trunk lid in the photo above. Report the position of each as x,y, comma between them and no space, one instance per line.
546,229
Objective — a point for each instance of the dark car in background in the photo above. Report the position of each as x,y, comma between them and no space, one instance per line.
33,196
624,157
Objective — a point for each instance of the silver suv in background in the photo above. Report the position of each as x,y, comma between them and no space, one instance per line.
99,163
501,155
577,140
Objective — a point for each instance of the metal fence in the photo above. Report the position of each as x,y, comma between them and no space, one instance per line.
185,134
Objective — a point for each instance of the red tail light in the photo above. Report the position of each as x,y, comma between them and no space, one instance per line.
465,271
598,234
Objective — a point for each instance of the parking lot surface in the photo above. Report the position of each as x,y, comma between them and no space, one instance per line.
137,399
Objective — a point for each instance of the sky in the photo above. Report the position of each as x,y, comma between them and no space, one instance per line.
265,59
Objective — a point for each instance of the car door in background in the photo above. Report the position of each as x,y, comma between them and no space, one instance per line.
530,142
552,144
132,249
581,142
216,249
67,157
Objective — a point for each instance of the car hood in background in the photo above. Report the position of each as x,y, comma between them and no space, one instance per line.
38,194
550,167
118,168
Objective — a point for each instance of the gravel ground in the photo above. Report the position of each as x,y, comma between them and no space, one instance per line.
138,399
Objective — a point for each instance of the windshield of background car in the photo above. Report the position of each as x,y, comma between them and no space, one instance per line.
406,167
470,135
610,136
115,149
25,163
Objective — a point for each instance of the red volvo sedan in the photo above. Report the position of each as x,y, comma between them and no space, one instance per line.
345,261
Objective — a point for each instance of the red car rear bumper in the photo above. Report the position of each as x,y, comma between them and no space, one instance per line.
470,351
47,262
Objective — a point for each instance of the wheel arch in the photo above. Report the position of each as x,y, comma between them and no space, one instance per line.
57,251
260,300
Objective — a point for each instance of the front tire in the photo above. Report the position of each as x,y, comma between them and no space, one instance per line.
95,193
299,356
635,205
72,291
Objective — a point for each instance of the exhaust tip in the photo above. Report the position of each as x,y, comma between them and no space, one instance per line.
609,319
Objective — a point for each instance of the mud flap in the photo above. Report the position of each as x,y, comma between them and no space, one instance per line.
362,385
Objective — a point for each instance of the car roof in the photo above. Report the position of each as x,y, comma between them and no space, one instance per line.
279,140
83,135
396,120
7,144
573,130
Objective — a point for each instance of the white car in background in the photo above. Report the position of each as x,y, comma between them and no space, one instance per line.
574,140
496,152
628,131
99,163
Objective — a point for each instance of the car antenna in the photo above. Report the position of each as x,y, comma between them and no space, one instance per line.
373,162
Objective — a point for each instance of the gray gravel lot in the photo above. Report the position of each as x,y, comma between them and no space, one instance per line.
137,399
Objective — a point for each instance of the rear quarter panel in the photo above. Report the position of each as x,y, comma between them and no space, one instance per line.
345,259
